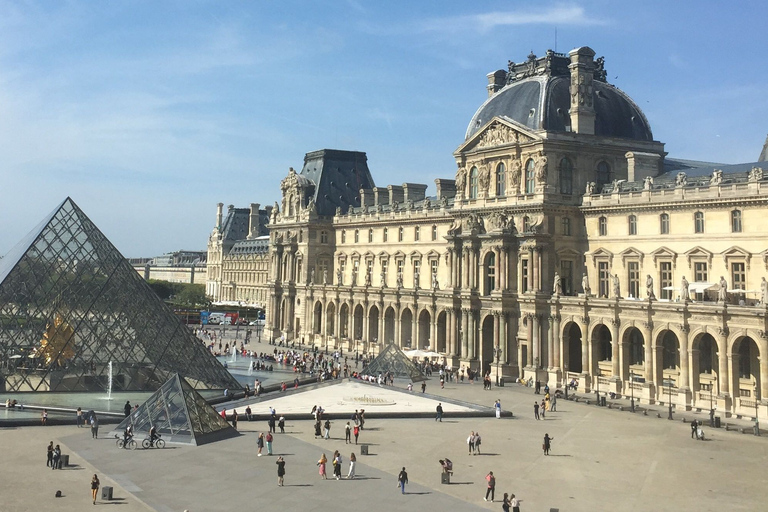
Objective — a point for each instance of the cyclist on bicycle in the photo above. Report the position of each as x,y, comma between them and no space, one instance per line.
127,436
152,436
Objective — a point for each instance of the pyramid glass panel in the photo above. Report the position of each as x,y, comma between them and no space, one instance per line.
179,414
70,305
392,359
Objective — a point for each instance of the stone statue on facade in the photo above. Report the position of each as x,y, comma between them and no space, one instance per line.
591,187
585,285
616,285
461,180
383,279
484,176
399,279
649,288
722,293
557,286
756,174
435,285
684,290
681,179
368,277
416,279
515,174
325,277
764,292
339,277
717,177
312,277
542,168
647,183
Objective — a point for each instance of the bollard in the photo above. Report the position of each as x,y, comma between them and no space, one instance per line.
445,478
106,493
363,449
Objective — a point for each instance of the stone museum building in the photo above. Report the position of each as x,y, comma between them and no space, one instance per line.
568,246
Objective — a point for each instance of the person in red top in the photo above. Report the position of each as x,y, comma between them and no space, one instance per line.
491,485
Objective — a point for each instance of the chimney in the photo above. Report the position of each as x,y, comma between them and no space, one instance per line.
380,196
396,193
219,210
445,188
582,68
496,81
253,221
414,191
642,165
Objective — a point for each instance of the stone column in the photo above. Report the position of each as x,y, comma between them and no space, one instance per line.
537,341
382,321
497,276
647,329
557,342
550,343
531,271
465,333
586,350
763,378
472,335
398,328
529,334
504,333
465,268
366,325
414,328
684,368
615,348
433,328
496,331
724,374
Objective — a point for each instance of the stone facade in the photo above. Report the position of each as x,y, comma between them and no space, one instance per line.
568,246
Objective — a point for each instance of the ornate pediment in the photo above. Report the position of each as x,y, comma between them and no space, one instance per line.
498,132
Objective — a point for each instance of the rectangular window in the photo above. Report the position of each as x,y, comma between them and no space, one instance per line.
566,277
400,265
738,276
736,221
603,278
384,265
602,226
400,234
434,233
665,279
664,224
700,271
370,236
433,264
632,221
416,273
524,275
633,278
357,236
386,234
566,226
416,233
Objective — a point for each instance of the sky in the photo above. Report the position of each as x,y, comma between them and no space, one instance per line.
149,113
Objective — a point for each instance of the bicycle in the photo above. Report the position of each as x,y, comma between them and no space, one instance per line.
131,444
159,443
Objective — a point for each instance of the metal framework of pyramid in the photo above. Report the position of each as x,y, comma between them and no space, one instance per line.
180,415
76,316
392,359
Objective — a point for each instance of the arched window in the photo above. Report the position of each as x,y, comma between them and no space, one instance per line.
736,221
434,233
603,174
386,234
602,226
530,176
473,186
566,176
416,234
526,224
370,236
698,222
664,223
501,180
632,223
400,234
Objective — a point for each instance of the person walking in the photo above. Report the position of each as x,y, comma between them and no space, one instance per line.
44,417
402,479
491,480
543,408
281,424
423,386
536,410
352,462
234,419
95,487
337,465
347,434
478,440
356,432
321,464
547,443
94,426
260,443
439,409
49,463
127,408
56,457
269,440
553,403
318,426
248,413
471,442
327,427
280,471
693,429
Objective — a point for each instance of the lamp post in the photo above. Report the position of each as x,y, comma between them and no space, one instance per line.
497,354
757,420
597,387
711,405
670,399
632,390
566,381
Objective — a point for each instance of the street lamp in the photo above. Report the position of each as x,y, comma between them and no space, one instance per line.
670,398
711,405
757,420
497,354
565,380
597,388
632,390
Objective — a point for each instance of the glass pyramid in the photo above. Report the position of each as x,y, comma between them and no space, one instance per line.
76,316
180,415
392,359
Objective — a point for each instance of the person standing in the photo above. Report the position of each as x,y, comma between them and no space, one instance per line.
49,463
56,457
478,440
543,408
281,424
547,443
361,415
272,422
317,429
280,471
356,432
514,503
347,434
79,417
536,410
94,426
423,386
693,429
337,465
260,443
505,503
327,427
402,479
352,462
321,464
94,487
269,440
497,406
44,417
439,416
553,403
127,408
491,485
471,442
248,413
234,419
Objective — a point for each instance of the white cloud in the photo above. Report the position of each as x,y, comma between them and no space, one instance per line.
562,15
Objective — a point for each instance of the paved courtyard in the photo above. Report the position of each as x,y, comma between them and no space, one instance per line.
602,460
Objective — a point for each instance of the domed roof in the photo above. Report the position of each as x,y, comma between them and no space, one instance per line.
541,101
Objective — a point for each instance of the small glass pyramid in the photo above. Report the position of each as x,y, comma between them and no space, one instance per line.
392,359
180,415
76,316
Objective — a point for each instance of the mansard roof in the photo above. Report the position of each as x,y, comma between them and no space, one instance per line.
338,177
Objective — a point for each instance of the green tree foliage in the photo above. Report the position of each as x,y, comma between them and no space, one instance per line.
182,294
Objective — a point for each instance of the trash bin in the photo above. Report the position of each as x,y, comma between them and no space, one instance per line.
717,421
64,461
602,401
363,449
445,478
106,493
501,382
